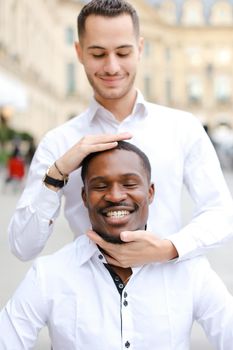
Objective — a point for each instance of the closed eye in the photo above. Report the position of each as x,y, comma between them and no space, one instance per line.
130,185
99,187
99,55
123,54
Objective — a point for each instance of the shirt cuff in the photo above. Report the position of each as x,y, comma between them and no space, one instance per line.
46,202
185,245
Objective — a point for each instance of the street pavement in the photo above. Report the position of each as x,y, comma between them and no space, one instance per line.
12,270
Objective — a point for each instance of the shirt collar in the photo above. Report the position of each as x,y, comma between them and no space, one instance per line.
96,109
85,249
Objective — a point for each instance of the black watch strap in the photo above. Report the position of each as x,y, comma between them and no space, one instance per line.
55,182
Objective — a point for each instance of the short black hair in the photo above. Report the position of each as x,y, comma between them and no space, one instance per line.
121,145
107,8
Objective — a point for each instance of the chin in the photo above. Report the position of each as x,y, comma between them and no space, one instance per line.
110,238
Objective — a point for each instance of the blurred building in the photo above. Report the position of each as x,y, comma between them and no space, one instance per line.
187,61
195,52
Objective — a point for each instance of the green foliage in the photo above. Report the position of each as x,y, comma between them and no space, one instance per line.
8,134
8,137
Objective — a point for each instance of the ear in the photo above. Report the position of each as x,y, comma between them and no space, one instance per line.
140,46
151,193
79,51
84,196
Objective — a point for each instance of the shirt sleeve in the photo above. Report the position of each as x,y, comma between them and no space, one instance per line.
214,309
32,222
212,222
24,315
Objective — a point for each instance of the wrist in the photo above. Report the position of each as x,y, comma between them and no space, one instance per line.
53,172
169,250
54,179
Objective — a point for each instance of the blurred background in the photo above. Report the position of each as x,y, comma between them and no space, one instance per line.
187,64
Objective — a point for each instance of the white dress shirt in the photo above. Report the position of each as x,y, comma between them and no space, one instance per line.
179,151
73,294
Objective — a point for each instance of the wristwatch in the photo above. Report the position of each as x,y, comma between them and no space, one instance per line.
55,182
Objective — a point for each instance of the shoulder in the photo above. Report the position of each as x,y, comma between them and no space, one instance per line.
58,273
58,140
58,263
167,114
74,126
180,127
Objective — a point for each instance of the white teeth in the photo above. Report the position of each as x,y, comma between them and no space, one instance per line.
118,213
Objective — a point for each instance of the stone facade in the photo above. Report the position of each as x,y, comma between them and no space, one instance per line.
187,60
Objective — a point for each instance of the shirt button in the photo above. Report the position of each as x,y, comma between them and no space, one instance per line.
125,295
117,279
121,286
125,302
127,344
100,256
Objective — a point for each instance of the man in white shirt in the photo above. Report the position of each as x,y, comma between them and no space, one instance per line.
179,150
88,304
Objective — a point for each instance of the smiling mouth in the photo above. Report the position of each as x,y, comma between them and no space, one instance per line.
111,79
117,213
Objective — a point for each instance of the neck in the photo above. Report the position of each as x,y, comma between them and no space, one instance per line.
123,273
120,108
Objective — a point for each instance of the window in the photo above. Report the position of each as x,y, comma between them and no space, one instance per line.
147,86
168,88
193,12
194,56
70,78
168,11
223,56
221,13
222,88
168,54
69,35
195,89
147,48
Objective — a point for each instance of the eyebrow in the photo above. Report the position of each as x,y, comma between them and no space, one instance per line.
93,47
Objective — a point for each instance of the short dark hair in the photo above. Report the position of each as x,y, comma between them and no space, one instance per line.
107,8
122,145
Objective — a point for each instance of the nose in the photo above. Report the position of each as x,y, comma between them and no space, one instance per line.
111,64
115,194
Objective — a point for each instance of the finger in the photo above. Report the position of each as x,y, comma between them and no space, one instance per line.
105,138
94,237
100,147
131,236
112,261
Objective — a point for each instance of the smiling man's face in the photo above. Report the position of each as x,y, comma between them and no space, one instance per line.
110,52
117,193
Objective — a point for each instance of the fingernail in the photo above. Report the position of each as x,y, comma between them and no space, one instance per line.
123,235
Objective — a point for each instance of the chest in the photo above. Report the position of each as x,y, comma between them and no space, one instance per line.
95,316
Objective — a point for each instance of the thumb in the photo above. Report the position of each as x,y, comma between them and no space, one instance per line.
129,236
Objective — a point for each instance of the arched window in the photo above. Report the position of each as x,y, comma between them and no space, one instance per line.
221,13
193,13
168,11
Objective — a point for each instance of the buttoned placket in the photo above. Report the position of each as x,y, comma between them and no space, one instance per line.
126,320
126,312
